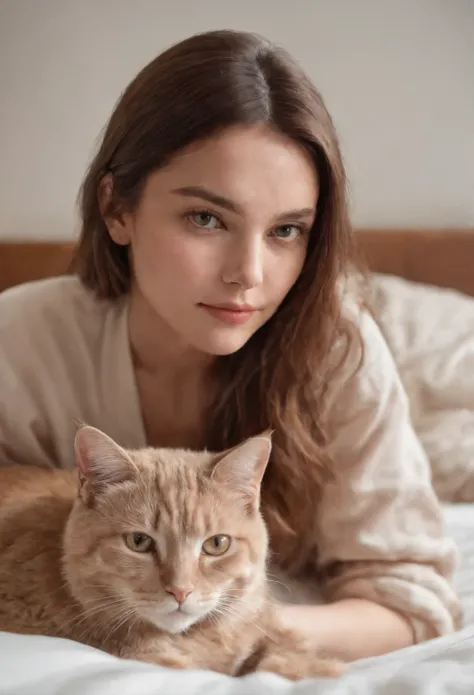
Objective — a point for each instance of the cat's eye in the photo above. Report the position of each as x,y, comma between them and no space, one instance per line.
216,545
138,542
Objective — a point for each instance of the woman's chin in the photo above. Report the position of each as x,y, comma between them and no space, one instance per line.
224,342
223,348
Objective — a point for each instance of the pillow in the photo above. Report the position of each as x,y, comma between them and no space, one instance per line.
430,331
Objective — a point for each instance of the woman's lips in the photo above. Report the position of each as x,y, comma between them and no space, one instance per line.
230,314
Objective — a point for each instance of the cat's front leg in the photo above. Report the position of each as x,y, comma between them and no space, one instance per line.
161,657
298,664
159,653
165,661
191,654
287,653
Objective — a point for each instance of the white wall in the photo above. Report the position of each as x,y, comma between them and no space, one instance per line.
398,76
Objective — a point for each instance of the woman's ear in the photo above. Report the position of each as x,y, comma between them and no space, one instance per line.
115,221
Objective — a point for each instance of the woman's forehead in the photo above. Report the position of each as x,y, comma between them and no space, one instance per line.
247,166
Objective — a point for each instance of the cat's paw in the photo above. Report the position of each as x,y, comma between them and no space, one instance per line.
297,666
160,658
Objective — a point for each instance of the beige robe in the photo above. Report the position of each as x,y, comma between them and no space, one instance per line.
65,358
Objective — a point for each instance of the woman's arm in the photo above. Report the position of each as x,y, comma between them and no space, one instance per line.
350,628
385,561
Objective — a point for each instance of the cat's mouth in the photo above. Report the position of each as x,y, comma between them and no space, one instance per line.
173,619
179,609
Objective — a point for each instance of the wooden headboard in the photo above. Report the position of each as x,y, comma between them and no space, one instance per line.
443,257
439,257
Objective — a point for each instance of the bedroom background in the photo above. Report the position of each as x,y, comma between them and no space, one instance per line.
397,76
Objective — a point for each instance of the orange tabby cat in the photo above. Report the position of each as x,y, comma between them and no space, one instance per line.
157,555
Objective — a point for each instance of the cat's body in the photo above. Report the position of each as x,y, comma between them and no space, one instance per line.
160,557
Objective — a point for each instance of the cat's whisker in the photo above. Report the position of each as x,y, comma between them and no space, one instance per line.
95,611
97,625
235,599
90,612
225,610
85,602
71,625
88,604
133,623
110,600
271,580
122,619
98,599
225,615
60,588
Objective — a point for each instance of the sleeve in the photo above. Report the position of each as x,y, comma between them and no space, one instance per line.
380,527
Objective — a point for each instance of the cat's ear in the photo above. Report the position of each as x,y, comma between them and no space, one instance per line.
100,460
243,467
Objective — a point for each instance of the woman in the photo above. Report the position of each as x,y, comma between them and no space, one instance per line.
208,303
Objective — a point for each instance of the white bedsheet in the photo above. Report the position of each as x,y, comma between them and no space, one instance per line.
46,666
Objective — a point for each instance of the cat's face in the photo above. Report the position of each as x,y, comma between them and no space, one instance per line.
167,536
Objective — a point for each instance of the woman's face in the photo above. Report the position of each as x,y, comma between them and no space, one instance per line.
220,236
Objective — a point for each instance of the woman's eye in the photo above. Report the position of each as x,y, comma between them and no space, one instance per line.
287,232
138,542
205,220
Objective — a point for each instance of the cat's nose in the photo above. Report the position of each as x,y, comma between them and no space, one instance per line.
180,593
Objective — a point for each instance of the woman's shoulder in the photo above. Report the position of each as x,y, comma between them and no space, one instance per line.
59,306
49,343
45,299
365,372
45,319
61,351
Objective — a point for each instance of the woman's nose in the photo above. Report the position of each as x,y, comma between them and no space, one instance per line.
244,266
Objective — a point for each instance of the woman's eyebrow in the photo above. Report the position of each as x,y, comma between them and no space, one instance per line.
209,196
227,204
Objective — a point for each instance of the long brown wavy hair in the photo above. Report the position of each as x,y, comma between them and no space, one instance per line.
279,378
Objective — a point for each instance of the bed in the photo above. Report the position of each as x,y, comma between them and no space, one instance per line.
422,295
